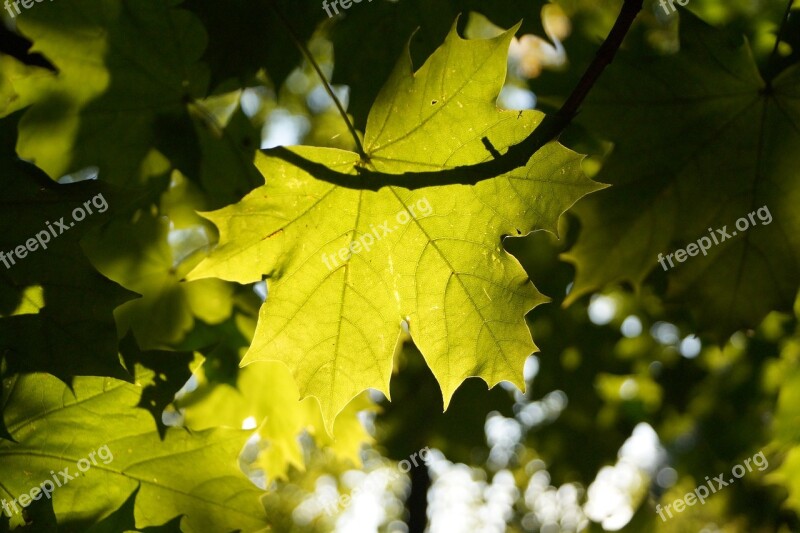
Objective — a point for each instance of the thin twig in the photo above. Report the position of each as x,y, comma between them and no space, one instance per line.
307,53
771,61
604,57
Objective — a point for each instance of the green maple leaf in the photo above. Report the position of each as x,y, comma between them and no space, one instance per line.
20,85
126,70
56,310
441,267
701,140
369,38
194,474
267,394
232,147
237,45
168,308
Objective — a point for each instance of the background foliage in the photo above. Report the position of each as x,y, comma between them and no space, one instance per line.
129,330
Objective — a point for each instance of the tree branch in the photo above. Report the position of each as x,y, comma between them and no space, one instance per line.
605,55
515,157
774,55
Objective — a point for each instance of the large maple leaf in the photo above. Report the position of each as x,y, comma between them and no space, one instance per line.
347,266
56,310
702,140
367,41
119,81
55,427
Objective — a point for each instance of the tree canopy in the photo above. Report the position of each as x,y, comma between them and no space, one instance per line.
450,265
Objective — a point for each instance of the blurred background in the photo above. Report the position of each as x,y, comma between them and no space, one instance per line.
630,403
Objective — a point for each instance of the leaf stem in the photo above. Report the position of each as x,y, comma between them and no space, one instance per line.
307,53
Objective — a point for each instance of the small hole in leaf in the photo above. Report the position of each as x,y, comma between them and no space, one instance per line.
434,102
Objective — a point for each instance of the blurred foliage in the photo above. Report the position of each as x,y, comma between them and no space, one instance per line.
643,386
